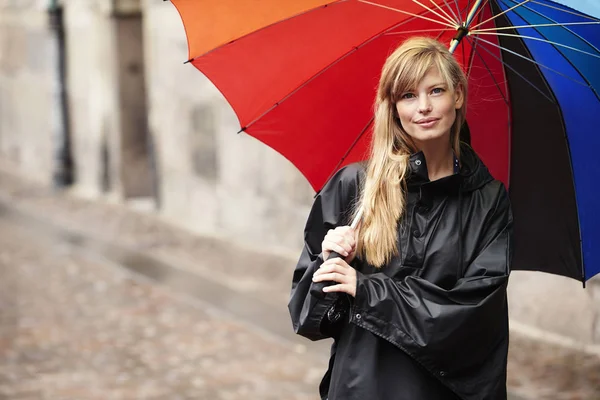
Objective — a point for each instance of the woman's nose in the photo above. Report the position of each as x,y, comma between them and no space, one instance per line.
424,105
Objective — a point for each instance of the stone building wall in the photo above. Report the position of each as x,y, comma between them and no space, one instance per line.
28,88
107,96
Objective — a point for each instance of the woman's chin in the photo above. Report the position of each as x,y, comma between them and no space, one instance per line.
429,137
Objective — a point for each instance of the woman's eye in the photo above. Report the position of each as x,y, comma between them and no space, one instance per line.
408,96
437,90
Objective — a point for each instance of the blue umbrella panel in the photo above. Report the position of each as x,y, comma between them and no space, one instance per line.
551,57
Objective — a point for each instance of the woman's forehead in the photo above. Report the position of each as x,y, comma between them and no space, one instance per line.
428,77
432,76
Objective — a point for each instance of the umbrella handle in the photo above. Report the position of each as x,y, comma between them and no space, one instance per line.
316,288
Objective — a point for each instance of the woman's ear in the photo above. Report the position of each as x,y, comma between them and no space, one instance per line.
459,96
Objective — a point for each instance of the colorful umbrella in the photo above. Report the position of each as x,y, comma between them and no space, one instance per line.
301,76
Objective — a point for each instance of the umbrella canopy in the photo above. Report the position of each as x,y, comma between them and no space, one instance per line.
302,76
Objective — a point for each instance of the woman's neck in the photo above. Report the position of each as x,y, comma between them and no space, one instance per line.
440,160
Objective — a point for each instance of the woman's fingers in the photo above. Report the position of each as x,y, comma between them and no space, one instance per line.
339,243
348,234
329,246
341,240
337,265
329,268
337,288
334,264
343,288
333,276
337,270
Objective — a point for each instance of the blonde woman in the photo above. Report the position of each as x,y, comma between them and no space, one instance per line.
417,305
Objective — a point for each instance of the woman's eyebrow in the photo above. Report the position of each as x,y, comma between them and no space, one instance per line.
437,85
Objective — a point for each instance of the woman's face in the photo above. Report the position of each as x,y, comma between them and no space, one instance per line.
428,111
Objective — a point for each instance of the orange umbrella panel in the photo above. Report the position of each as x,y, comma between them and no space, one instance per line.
211,24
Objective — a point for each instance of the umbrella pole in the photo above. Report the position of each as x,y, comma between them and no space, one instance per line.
463,30
357,218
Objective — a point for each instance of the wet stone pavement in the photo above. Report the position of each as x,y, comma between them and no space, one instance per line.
99,302
73,328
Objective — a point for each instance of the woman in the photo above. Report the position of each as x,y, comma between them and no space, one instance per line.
421,289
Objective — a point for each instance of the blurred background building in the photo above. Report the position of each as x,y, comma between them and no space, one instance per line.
95,97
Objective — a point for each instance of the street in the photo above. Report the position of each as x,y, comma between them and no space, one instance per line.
99,302
76,328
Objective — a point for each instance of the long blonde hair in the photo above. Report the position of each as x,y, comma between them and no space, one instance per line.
383,196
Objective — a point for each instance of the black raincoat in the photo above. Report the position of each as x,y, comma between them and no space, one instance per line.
433,323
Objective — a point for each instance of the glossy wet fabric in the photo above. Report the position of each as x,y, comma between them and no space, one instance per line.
433,323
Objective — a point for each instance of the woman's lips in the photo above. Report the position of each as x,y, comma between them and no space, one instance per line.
427,123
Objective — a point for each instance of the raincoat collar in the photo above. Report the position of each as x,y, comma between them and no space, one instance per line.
469,173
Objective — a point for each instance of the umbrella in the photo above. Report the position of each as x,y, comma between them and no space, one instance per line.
301,77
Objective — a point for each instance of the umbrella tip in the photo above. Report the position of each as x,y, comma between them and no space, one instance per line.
242,130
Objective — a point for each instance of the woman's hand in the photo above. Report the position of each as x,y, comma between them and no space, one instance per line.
341,240
339,271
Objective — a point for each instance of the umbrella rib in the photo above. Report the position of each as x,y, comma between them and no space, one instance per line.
567,11
550,19
477,17
537,63
472,59
443,11
354,48
558,24
434,12
362,132
460,21
478,13
496,83
502,13
589,85
415,31
539,40
464,61
407,13
453,13
516,72
440,35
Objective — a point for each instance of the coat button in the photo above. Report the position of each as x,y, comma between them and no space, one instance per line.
358,316
442,373
416,233
418,162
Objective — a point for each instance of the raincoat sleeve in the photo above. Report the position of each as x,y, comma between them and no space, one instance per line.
452,332
332,207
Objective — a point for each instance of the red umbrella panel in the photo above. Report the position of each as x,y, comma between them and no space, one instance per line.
311,78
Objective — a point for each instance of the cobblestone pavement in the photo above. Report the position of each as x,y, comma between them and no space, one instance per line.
75,327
